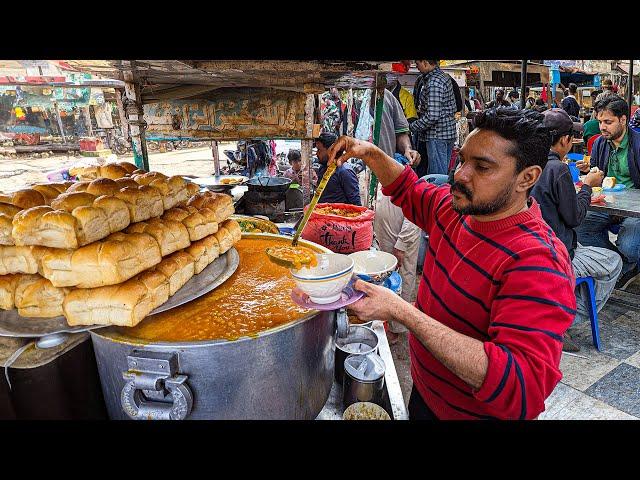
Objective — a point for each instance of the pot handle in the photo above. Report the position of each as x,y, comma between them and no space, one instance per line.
153,389
342,323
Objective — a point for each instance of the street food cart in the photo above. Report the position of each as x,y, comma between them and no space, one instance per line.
240,350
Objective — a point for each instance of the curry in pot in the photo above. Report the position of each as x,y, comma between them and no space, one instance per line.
255,298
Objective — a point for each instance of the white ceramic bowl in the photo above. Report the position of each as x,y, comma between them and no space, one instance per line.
324,282
373,266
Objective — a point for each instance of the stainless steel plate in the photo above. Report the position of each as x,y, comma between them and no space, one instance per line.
13,325
218,181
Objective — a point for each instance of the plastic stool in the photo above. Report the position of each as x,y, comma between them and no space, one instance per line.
593,312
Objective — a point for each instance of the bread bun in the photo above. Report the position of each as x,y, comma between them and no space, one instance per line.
178,267
126,182
609,182
170,235
45,226
37,297
25,198
112,171
106,262
78,187
204,252
69,201
103,186
23,259
128,167
8,285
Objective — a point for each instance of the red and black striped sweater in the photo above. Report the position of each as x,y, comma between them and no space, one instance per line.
508,283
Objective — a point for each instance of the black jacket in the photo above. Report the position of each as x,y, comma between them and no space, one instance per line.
561,208
571,106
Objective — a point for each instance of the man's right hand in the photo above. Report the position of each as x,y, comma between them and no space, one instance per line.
594,179
346,147
583,165
385,167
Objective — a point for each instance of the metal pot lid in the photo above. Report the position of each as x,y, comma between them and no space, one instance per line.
365,368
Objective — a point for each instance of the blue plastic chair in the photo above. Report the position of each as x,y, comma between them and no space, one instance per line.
593,312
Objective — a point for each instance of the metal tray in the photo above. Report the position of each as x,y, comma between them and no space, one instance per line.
208,279
217,181
13,325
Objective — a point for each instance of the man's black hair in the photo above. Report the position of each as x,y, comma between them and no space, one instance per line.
294,156
573,88
613,103
531,140
513,94
556,136
327,139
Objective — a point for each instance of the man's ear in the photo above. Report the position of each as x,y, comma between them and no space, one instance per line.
527,178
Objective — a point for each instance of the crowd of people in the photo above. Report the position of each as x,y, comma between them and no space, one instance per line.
507,233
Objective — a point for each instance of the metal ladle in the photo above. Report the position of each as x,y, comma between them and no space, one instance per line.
331,168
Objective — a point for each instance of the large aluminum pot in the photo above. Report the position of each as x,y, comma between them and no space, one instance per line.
283,373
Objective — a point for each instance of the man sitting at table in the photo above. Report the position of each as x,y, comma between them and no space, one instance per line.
616,152
496,293
343,186
563,210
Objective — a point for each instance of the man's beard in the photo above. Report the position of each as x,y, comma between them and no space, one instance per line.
486,208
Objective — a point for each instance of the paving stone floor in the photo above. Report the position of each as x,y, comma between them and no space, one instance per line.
596,385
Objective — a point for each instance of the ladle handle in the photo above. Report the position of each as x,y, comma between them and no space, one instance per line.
314,201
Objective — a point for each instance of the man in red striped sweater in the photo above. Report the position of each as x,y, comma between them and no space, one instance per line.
497,291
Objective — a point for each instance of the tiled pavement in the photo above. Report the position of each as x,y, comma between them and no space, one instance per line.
596,385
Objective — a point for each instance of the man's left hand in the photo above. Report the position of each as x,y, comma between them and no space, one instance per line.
380,303
413,156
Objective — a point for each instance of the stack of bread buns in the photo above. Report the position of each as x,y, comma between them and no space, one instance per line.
108,251
13,203
127,303
109,170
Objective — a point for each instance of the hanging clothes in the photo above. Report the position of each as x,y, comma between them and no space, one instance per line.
364,130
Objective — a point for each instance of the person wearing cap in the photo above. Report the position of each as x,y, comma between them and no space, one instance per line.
607,89
564,210
617,153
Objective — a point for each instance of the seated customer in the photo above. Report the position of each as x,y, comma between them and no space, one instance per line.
563,210
343,185
617,153
296,174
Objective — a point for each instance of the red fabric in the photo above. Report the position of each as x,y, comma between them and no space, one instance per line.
591,141
399,67
508,283
341,234
543,95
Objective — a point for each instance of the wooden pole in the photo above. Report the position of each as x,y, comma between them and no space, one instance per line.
216,158
123,118
55,107
523,84
134,112
306,146
630,85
